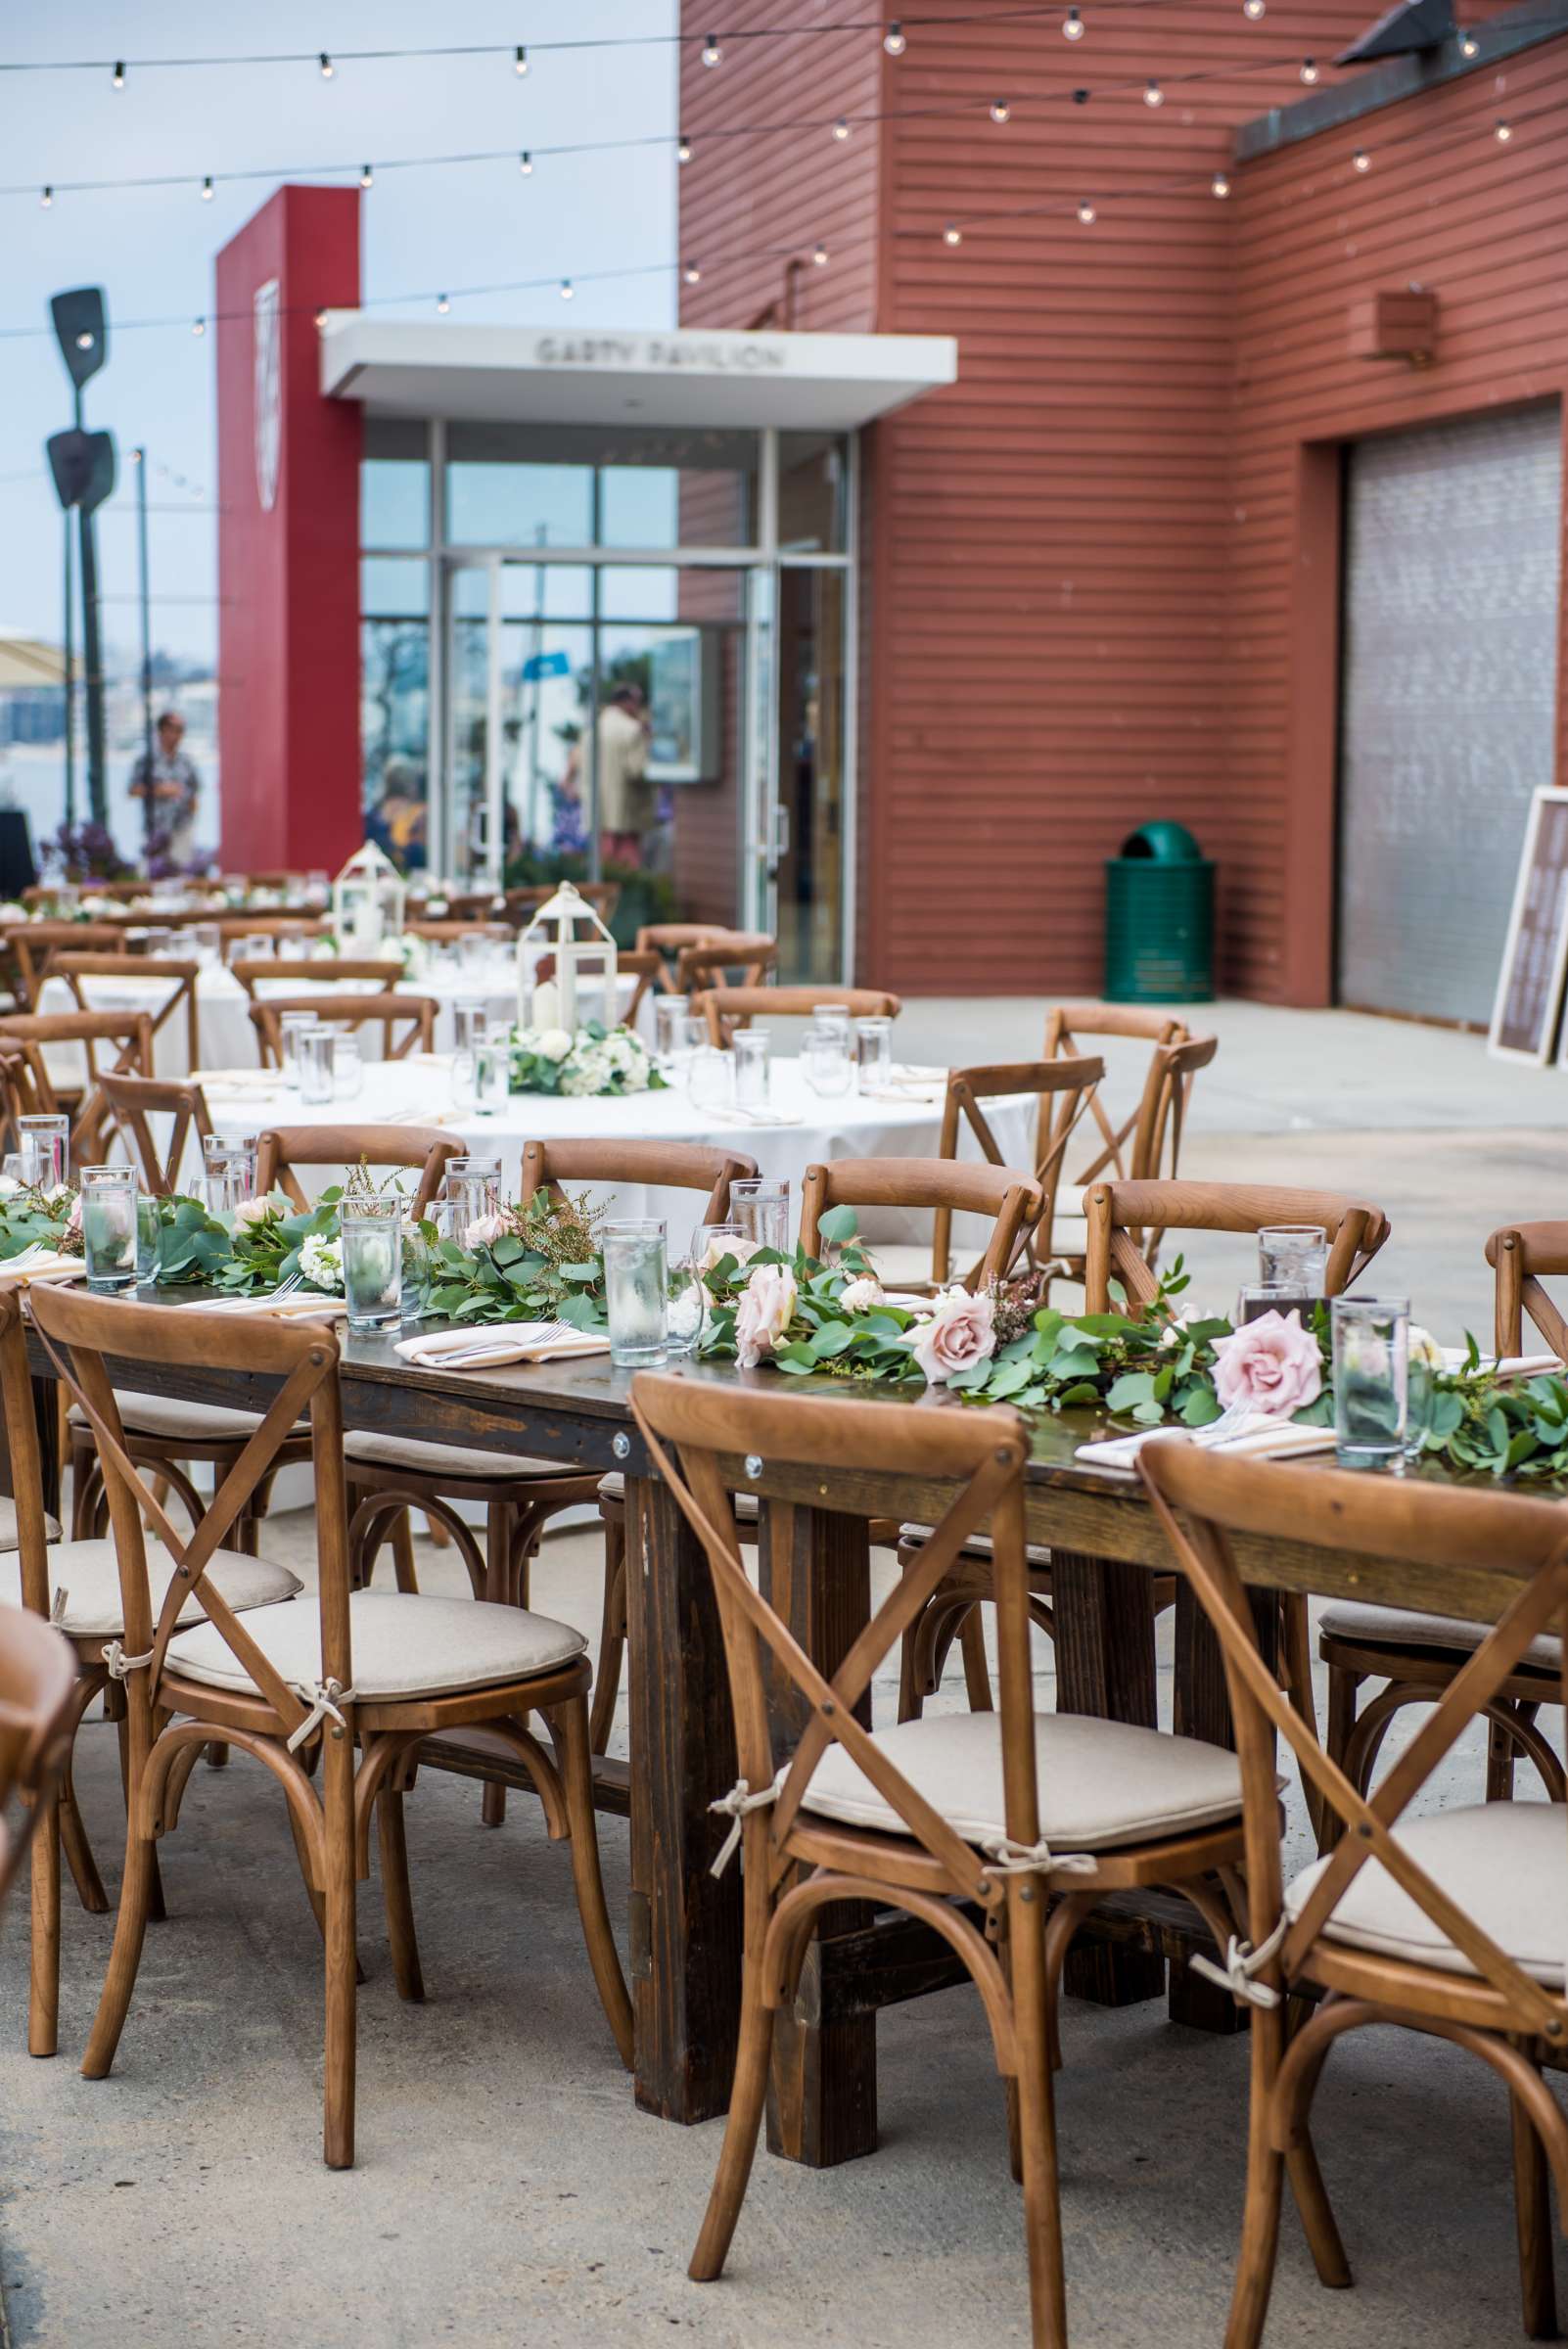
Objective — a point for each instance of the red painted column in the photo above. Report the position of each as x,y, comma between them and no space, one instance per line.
288,539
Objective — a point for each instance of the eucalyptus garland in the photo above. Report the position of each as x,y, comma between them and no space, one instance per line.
539,1262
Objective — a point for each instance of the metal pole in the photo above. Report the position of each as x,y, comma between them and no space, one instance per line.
140,458
93,663
70,677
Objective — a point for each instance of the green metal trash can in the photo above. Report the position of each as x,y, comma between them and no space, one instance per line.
1159,919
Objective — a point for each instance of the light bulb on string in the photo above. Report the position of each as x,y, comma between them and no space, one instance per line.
953,234
367,177
683,150
520,60
1469,46
1001,111
84,340
690,274
819,256
1085,213
893,39
1501,131
1361,159
712,53
840,128
117,79
321,321
328,69
1073,25
1219,184
1153,95
525,165
568,290
1309,70
443,305
1252,10
206,190
198,327
47,198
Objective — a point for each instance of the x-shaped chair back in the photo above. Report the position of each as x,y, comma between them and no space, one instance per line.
716,1435
669,940
253,971
130,1030
1067,1024
407,1022
135,1099
1064,1088
656,1166
727,1008
1522,1254
1120,1213
742,958
283,1148
77,1332
158,969
38,943
1203,1500
1011,1199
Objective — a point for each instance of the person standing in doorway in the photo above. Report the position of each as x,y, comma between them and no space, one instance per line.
626,799
171,781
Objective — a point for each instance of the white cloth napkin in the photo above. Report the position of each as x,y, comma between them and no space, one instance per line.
746,1117
487,1348
1512,1366
239,1080
1257,1438
43,1263
297,1306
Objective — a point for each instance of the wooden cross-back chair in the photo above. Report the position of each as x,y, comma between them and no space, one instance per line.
1449,1923
37,1689
77,970
1011,1198
1065,1090
237,926
1119,1214
281,1149
36,944
76,1585
1003,1811
735,957
1417,1656
135,1099
453,932
252,971
1065,1026
1152,1153
668,939
381,1672
727,1008
25,1086
407,1023
522,905
92,1120
646,968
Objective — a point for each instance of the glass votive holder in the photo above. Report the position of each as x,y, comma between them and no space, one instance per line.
109,1227
373,1261
832,1015
760,1204
148,1226
348,1067
749,1052
873,1053
1295,1256
711,1079
670,1014
683,1316
827,1060
43,1144
206,944
1258,1297
313,1059
292,1024
636,1292
1371,1379
471,1015
473,1190
263,947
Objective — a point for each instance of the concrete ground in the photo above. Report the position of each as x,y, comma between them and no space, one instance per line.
507,2191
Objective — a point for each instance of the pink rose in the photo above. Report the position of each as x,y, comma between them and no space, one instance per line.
1271,1365
74,1220
764,1314
484,1230
960,1333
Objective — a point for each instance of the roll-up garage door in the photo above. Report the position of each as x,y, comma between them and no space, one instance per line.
1449,702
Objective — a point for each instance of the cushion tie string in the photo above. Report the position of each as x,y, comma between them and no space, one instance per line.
120,1665
1242,1964
736,1807
321,1696
1009,1859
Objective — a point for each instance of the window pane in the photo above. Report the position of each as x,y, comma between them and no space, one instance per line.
395,483
638,505
812,493
546,591
637,591
390,589
395,714
502,490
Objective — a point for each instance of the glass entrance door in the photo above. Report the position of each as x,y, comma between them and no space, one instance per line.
800,822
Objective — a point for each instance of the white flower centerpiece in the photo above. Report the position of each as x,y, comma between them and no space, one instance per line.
592,1060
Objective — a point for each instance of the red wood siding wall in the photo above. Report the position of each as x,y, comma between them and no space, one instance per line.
1084,600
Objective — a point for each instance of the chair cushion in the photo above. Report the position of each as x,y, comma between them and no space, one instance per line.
612,1487
444,1460
1101,1782
978,1545
1503,1864
88,1572
162,1415
1394,1627
9,1536
403,1645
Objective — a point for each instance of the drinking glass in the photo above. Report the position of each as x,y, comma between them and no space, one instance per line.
292,1024
147,1231
474,951
684,1291
206,944
636,1292
228,1167
470,1019
261,948
873,1052
1294,1256
316,885
109,1227
348,1067
314,1054
44,1144
760,1206
825,1060
750,1054
711,1244
373,1261
1371,1367
832,1015
670,1014
1258,1297
711,1079
493,1074
418,1272
473,1190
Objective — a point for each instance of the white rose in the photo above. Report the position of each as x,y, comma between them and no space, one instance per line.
717,1249
253,1212
553,1043
764,1314
483,1230
862,1295
1424,1348
321,1262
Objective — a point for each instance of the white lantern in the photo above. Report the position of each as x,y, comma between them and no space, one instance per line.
583,985
368,899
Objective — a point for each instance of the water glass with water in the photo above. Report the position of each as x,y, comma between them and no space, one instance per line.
348,1067
827,1059
228,1169
636,1292
473,1190
711,1079
1258,1297
670,1014
873,1053
149,1223
373,1261
261,948
292,1024
471,1015
760,1206
492,1073
109,1227
750,1054
1371,1379
1294,1256
684,1310
206,943
313,1055
44,1145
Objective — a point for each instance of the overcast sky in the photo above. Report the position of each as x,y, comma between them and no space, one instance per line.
152,249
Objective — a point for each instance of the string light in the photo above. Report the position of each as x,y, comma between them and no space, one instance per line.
568,290
321,321
819,256
840,128
1502,131
712,55
1309,70
84,340
1001,111
1361,159
1252,10
525,165
683,149
328,69
442,303
206,190
1153,94
1072,25
520,61
367,177
117,79
1469,46
690,274
47,198
1219,184
953,234
893,39
1085,213
199,327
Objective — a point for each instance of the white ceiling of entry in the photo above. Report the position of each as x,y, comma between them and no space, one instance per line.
689,375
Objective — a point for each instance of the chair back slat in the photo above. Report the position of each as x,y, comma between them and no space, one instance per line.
1522,1256
1065,1025
180,977
727,1008
316,970
281,1149
135,1099
1203,1500
130,1030
1118,1213
413,1015
37,943
654,1166
1012,1199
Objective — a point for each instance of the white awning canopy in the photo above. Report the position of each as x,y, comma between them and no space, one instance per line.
683,376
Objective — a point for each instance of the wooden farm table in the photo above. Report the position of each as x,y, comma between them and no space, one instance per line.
685,1925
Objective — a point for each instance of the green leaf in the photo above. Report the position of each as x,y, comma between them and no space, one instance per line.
1132,1387
832,1338
1149,1414
837,1225
1079,1397
1010,1379
1200,1408
1077,1362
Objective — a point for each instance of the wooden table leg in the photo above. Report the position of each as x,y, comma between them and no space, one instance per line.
1202,1709
685,1923
1104,1643
822,2091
